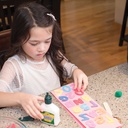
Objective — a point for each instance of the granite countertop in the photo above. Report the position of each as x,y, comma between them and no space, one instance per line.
102,87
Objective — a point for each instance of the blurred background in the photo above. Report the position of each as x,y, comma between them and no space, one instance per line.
91,30
91,34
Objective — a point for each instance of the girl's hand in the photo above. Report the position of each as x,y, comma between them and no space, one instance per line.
80,79
31,105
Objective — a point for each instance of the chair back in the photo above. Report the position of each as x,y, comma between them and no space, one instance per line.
7,8
4,45
5,39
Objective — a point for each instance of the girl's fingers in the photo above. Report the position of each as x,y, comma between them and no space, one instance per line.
37,110
84,84
38,104
80,84
39,98
30,112
75,82
34,110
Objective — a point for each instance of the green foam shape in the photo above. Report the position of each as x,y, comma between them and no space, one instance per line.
118,94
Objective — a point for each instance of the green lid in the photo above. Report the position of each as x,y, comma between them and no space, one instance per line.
48,98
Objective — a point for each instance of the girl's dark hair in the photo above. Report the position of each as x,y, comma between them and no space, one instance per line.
30,15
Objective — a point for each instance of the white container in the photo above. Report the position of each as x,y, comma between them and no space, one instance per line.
51,112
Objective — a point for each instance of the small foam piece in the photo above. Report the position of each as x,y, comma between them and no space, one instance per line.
107,108
12,126
118,94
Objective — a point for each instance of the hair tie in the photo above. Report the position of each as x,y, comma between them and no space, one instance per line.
49,14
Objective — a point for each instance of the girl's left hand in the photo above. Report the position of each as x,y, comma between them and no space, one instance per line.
80,80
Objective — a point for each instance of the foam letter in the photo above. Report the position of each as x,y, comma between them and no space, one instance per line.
58,92
92,114
66,88
72,85
90,124
93,104
69,104
78,101
84,117
79,93
85,107
110,120
76,109
70,95
63,98
86,98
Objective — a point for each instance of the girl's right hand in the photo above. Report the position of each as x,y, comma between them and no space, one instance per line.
31,105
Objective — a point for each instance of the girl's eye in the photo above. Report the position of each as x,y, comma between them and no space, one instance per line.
48,41
34,44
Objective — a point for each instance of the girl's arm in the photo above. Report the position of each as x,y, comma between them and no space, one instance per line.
79,77
29,102
8,99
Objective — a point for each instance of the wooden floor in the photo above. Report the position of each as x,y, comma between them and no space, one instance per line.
91,35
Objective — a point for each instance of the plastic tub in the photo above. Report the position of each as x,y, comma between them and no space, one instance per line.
9,122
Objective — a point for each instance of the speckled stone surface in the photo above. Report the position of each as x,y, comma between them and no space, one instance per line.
66,120
102,88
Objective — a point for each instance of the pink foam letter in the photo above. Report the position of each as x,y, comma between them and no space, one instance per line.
78,101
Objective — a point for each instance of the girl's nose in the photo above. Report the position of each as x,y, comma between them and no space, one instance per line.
41,47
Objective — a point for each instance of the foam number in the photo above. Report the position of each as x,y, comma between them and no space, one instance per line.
84,117
58,92
109,119
90,124
85,107
63,98
66,88
99,120
76,109
100,111
86,98
78,101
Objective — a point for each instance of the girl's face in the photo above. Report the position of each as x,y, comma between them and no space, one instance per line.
38,44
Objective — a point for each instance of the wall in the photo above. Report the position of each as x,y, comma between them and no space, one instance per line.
119,10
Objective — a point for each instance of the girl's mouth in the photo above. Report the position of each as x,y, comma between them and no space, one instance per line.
39,54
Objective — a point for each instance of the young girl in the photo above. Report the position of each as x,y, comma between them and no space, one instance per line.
35,64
